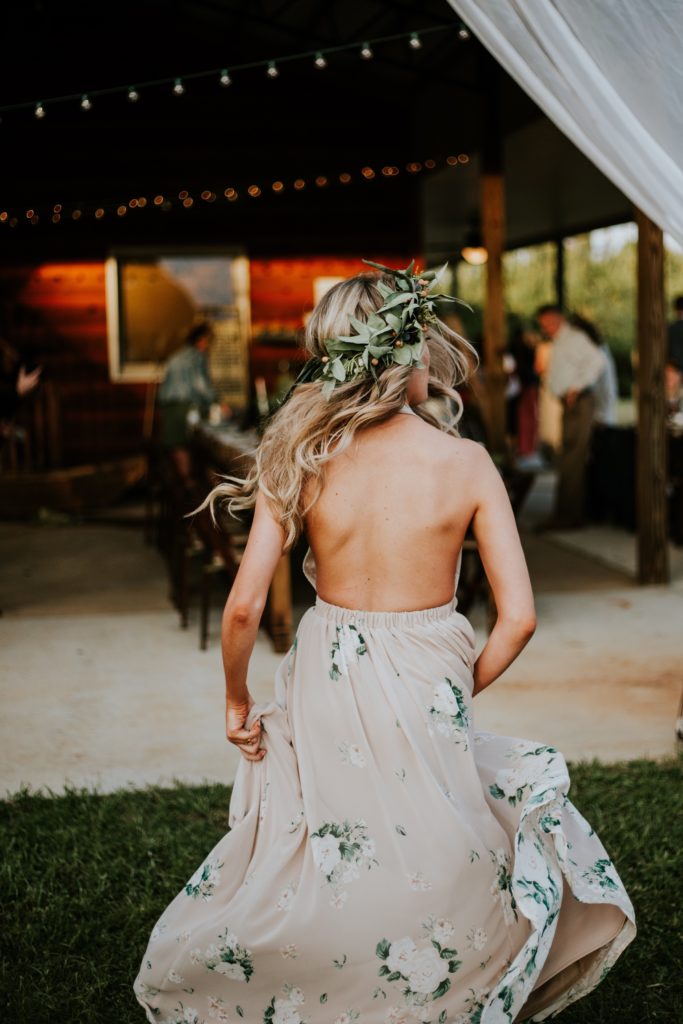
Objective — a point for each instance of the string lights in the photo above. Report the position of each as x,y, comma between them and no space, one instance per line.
272,66
232,193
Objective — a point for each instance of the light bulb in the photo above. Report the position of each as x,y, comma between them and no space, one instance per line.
225,78
178,87
463,32
366,53
415,41
133,94
475,255
86,102
39,112
320,61
272,71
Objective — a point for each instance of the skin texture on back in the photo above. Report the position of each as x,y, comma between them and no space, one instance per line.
388,526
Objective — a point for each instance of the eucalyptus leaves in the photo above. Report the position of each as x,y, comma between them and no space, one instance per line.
392,334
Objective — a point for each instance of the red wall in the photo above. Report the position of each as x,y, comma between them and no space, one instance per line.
55,314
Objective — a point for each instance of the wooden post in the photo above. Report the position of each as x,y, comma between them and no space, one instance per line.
651,466
493,237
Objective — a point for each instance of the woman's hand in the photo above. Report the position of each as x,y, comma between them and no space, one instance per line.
247,740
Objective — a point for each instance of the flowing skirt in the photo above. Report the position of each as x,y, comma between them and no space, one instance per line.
387,862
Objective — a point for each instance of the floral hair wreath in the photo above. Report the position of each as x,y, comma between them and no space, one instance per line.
393,334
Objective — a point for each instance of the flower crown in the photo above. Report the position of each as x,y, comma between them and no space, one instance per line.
392,334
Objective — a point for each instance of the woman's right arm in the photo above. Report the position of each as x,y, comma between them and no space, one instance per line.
241,618
501,553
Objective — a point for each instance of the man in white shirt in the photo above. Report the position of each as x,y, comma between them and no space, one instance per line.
576,364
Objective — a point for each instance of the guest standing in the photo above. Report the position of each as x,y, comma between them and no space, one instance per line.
606,387
185,393
575,366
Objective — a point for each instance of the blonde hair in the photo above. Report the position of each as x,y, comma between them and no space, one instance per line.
309,429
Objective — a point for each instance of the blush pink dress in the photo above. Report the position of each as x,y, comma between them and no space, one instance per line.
387,862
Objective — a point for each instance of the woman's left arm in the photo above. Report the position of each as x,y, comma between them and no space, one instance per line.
241,618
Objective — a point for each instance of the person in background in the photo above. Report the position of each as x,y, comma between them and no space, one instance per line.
575,366
186,394
523,349
16,383
606,387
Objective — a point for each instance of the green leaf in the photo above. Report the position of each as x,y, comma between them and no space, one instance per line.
361,328
394,976
345,345
338,370
396,300
402,355
441,989
382,948
379,350
323,997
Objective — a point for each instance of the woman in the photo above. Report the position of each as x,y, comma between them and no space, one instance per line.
386,861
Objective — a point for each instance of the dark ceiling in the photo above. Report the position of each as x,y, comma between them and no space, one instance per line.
403,105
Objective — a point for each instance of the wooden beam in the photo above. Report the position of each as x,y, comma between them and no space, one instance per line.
493,237
651,465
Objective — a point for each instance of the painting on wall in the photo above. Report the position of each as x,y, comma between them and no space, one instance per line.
154,297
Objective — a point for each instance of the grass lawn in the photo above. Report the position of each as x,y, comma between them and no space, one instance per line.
85,876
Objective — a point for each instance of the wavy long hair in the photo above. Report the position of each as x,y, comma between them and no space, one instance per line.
309,429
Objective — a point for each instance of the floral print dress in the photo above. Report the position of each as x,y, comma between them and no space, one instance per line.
387,862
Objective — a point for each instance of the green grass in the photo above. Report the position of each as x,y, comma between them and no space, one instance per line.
85,876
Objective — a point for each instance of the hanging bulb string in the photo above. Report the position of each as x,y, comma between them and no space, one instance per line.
222,72
75,210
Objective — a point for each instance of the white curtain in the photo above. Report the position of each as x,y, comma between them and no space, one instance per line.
609,73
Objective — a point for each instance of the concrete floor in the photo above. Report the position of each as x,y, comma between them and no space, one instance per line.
101,688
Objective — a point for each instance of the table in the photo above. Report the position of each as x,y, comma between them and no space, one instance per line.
225,449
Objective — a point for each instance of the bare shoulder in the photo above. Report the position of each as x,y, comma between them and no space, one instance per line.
472,454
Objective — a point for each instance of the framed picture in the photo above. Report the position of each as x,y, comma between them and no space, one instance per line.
155,295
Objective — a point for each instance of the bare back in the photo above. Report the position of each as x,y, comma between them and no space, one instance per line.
388,527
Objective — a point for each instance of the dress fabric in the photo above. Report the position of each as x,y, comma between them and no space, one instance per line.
387,862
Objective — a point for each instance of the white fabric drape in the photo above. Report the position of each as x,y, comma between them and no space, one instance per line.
609,73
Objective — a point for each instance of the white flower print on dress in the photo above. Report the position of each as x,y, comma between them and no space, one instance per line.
347,648
351,753
529,763
439,929
218,1010
204,881
286,897
477,939
348,1017
340,851
424,971
285,1008
176,978
228,957
449,712
501,887
398,1015
418,882
599,877
290,951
